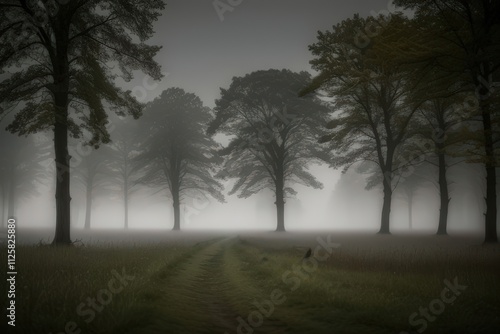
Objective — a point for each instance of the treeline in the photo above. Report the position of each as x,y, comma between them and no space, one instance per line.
408,90
393,92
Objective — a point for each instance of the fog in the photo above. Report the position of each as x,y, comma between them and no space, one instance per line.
250,166
342,205
202,52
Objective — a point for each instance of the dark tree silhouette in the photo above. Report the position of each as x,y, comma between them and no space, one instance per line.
448,103
469,32
177,154
273,134
441,121
65,82
372,97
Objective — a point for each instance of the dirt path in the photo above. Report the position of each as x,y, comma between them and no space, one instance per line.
197,298
204,289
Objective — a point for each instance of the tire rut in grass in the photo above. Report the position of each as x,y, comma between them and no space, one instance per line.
195,298
197,293
203,288
215,287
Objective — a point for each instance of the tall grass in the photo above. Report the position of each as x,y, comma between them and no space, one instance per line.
179,287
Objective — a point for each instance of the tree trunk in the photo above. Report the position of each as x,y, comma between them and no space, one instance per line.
125,203
410,209
280,210
491,196
88,203
280,202
443,193
386,207
177,211
12,196
4,203
62,157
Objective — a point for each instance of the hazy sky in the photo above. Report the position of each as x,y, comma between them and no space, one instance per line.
201,53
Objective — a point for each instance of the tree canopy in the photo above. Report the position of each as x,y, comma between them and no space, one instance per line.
177,154
273,134
61,60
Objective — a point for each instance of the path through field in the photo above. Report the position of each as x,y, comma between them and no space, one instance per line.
226,285
199,298
252,283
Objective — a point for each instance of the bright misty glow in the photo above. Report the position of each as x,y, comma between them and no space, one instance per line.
327,208
202,55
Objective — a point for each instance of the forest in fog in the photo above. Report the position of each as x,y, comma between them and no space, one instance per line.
250,166
404,103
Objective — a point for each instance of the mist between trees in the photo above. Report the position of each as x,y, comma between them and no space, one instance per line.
400,100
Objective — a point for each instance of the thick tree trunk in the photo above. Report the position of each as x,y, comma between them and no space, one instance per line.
280,211
443,193
177,216
88,204
491,196
62,157
386,206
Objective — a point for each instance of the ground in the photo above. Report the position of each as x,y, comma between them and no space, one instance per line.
259,283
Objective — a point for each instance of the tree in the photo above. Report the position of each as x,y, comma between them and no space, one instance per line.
273,134
443,121
178,154
471,30
372,98
126,146
448,106
21,170
91,171
64,82
409,187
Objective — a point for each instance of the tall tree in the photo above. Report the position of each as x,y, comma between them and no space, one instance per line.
125,146
471,29
178,154
273,134
64,81
371,94
443,121
447,106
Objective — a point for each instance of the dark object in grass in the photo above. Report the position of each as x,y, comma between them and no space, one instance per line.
308,254
264,259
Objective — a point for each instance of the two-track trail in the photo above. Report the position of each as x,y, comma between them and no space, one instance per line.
197,298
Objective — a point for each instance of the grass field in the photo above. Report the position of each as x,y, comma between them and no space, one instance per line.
260,283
